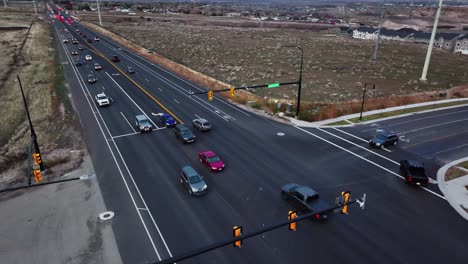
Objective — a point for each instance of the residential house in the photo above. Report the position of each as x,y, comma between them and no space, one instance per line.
461,45
365,33
345,32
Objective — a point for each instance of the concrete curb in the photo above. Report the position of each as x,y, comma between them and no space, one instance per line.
449,196
342,118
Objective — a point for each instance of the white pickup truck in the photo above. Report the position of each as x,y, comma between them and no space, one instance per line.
102,99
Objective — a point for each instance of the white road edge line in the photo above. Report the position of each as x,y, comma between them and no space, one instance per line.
128,122
371,162
176,101
78,76
132,100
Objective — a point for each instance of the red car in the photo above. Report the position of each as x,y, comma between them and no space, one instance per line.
210,159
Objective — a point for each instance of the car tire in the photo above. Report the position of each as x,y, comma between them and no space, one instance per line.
395,143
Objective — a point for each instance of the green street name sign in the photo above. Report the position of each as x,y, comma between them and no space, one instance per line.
273,85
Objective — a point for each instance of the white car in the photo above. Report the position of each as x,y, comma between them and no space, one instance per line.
102,99
88,57
65,40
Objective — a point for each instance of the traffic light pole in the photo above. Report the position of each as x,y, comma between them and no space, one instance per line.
246,87
211,247
33,133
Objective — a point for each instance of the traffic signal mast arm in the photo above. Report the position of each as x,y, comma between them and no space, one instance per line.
248,87
205,249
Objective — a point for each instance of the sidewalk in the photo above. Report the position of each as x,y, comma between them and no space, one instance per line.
455,190
57,224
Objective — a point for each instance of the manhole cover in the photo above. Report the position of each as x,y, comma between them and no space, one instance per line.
106,216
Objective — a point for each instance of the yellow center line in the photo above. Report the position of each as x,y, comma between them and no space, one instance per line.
137,85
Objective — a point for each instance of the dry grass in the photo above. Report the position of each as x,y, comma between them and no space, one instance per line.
335,69
453,173
47,96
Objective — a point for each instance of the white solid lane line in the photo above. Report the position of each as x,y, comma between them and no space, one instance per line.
441,124
352,143
417,119
371,162
128,122
132,100
86,92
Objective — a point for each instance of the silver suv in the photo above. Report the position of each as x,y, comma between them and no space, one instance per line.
192,181
142,123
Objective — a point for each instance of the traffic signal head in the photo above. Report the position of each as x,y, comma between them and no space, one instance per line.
37,175
346,197
237,231
37,158
292,215
232,91
210,95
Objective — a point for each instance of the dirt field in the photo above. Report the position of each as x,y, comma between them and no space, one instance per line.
31,56
335,69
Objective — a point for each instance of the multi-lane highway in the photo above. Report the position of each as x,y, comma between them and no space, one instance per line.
156,218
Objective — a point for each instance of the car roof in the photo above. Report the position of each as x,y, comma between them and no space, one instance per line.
203,120
306,191
166,115
189,171
387,133
101,94
208,153
415,163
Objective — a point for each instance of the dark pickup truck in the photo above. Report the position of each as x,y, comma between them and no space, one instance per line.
414,172
305,199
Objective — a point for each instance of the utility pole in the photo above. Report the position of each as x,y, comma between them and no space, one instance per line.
99,13
431,43
35,9
377,41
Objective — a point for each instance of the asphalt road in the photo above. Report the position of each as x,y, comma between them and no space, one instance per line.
156,218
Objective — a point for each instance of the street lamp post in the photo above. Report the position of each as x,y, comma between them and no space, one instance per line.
299,82
99,13
363,98
431,44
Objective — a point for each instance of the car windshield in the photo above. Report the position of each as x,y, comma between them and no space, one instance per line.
169,118
195,179
144,123
102,97
206,124
185,132
381,137
213,159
